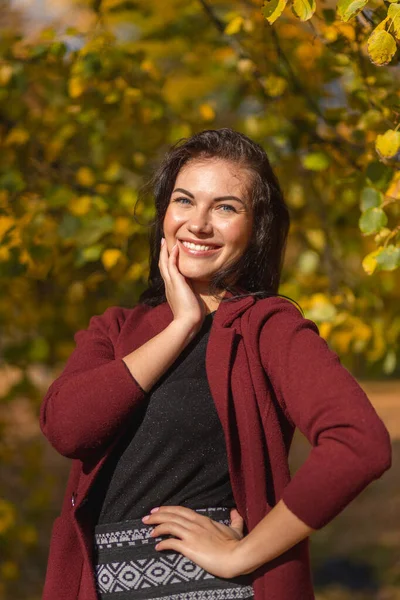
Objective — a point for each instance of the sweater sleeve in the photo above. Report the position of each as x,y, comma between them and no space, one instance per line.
87,404
350,444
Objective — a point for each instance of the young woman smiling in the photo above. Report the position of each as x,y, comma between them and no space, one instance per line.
178,414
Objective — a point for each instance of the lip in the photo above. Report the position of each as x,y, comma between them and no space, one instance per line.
198,253
198,242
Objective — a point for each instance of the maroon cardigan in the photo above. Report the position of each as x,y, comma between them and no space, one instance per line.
269,371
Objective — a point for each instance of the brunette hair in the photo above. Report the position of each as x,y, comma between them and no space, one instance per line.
258,270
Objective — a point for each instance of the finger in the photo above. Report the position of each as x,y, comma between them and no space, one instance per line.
167,517
183,511
172,544
163,262
236,520
170,528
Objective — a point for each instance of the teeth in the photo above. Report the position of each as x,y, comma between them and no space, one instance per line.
197,246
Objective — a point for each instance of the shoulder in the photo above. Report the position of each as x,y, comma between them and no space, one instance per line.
276,311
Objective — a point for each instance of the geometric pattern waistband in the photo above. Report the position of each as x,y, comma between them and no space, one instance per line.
134,532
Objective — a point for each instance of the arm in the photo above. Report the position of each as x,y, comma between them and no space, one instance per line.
91,400
350,444
277,532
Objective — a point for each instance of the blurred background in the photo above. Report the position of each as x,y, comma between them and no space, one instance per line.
91,96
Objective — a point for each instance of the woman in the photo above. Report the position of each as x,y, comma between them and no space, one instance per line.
179,413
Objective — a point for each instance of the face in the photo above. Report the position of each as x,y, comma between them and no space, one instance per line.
209,206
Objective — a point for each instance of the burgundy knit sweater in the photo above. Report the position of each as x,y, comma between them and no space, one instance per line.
269,371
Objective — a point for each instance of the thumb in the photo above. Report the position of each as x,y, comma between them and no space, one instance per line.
236,521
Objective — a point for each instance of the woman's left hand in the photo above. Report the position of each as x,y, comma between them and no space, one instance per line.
210,544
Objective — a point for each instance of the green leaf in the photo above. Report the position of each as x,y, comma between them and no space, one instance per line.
304,9
308,262
372,220
389,364
381,47
370,198
92,231
39,350
316,161
379,175
12,181
389,258
347,9
272,9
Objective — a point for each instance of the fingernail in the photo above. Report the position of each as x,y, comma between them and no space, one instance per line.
162,241
154,509
146,518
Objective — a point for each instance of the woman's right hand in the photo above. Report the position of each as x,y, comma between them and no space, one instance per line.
186,305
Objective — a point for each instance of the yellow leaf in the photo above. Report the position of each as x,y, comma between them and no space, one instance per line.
17,137
330,33
207,112
135,272
9,570
123,226
347,30
394,187
150,68
388,144
133,94
80,205
272,9
369,262
234,26
304,9
274,85
381,47
5,224
6,72
75,87
394,16
7,515
316,237
28,535
4,253
85,176
245,65
110,257
138,159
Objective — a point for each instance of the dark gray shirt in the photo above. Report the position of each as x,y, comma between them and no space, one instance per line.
174,452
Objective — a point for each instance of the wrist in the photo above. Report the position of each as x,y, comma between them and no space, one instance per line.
188,329
239,561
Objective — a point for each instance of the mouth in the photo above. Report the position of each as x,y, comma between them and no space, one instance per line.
198,249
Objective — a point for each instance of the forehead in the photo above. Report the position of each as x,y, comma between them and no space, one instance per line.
211,175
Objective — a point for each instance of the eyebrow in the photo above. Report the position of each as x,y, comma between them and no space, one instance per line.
215,199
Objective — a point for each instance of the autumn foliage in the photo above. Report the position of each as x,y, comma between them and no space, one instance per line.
87,108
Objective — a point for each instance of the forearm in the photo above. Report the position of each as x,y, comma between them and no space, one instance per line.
278,531
150,361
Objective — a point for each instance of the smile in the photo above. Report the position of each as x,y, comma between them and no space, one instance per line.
197,249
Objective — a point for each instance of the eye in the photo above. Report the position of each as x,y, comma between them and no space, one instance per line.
227,206
181,198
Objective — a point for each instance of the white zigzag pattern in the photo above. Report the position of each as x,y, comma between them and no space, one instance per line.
154,572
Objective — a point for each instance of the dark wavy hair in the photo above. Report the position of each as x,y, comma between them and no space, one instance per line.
258,269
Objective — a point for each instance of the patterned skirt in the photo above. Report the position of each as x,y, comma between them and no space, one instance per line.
127,566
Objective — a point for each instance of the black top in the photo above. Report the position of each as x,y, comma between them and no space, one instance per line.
174,451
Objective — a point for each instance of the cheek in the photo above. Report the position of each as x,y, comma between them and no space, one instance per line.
237,234
171,220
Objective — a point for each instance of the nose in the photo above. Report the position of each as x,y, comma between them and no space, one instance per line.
199,222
